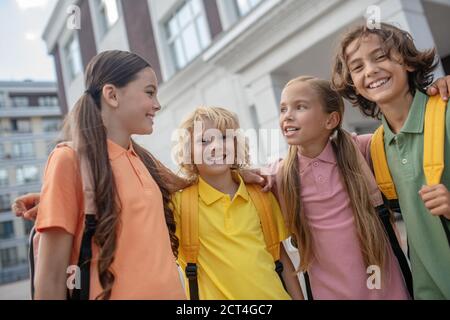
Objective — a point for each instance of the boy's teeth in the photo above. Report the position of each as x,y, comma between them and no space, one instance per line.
377,84
291,129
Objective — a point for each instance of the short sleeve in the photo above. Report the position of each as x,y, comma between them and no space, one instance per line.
363,142
280,223
61,193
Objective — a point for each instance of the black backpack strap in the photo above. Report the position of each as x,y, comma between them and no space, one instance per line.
279,269
308,286
384,214
84,262
31,260
445,226
191,274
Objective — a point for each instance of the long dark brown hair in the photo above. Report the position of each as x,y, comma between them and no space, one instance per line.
84,126
394,40
372,238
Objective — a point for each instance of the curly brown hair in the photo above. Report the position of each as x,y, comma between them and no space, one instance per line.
394,40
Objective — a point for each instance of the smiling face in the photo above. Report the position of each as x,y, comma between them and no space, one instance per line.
376,76
303,119
138,103
214,150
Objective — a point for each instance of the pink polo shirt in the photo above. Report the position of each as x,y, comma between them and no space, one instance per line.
339,271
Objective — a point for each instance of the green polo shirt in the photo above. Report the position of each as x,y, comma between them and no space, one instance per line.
428,245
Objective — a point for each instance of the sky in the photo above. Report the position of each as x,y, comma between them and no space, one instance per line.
23,53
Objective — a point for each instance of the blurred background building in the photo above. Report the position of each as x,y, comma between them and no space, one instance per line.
232,53
30,118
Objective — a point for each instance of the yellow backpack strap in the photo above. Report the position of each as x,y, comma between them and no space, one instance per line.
434,134
264,207
189,236
380,166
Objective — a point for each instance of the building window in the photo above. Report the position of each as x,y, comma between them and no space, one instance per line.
19,101
187,33
27,174
50,146
73,54
48,101
245,6
23,149
108,14
5,204
2,100
4,179
6,230
9,257
51,124
21,125
2,151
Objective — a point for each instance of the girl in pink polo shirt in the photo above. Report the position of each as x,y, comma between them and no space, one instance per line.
328,204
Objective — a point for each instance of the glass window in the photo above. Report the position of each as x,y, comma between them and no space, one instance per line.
9,257
187,33
51,124
21,125
2,100
108,15
19,101
6,230
48,101
50,146
4,179
245,6
5,204
73,55
27,174
23,149
2,151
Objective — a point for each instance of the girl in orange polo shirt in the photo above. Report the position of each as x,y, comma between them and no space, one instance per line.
134,247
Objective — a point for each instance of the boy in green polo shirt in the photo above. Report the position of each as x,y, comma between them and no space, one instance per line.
385,75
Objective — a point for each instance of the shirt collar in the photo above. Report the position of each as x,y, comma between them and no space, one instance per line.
415,121
115,150
327,155
209,194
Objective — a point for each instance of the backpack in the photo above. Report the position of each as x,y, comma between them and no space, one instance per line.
433,152
383,212
85,256
190,231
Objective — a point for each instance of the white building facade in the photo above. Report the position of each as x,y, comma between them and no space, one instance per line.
236,54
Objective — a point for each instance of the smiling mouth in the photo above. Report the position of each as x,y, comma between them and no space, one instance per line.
288,131
217,160
150,116
379,83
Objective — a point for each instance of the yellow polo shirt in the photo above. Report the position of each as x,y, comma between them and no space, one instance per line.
233,262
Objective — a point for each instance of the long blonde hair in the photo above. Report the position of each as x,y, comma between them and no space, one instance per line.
372,238
223,120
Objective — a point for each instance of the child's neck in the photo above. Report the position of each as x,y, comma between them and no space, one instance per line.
396,111
223,182
313,149
122,140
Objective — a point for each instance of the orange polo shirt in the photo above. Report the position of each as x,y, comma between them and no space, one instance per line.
144,265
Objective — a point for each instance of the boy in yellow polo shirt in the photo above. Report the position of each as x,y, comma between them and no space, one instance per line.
233,261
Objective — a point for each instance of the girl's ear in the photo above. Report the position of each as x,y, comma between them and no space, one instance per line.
109,95
334,119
